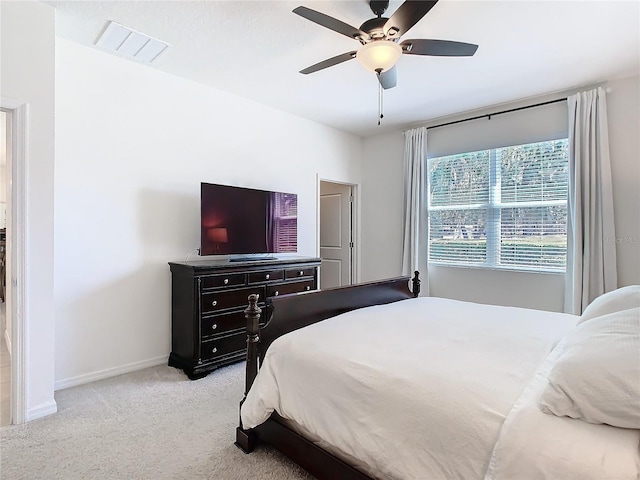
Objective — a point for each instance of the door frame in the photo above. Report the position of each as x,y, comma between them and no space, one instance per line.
355,225
19,112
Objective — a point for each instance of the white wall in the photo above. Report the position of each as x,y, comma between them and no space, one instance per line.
27,76
382,214
132,146
381,217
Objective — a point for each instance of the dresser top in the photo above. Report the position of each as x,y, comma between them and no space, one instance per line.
226,264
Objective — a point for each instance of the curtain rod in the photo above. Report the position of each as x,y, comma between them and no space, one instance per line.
489,115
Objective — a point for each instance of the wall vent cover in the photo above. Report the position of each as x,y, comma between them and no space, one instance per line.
129,43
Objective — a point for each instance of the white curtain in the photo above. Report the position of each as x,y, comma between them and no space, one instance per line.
591,248
415,206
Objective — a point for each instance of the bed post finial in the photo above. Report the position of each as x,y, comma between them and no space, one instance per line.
416,283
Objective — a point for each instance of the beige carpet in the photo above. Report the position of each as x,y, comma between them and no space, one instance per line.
151,424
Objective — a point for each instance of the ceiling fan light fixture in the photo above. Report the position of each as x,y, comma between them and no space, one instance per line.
379,55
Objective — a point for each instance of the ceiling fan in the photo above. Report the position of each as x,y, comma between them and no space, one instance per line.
380,36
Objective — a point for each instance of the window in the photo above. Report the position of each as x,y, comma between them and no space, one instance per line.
286,222
500,208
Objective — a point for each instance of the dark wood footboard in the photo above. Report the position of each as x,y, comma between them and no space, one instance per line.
291,312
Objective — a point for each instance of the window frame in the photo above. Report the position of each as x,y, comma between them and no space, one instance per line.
493,208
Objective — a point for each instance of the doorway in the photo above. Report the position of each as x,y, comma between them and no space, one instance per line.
13,145
337,242
5,305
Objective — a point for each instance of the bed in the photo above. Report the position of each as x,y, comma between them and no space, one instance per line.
374,382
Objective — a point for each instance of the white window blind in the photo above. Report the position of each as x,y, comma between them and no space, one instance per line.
500,208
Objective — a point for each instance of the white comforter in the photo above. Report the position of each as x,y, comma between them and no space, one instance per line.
418,389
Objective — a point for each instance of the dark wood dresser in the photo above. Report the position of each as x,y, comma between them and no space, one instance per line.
208,299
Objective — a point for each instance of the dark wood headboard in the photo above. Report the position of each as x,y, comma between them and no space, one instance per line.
291,312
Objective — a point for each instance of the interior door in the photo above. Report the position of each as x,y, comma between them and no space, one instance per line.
336,234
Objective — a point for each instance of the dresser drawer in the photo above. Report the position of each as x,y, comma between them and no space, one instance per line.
215,281
223,346
299,272
222,300
219,324
293,287
266,276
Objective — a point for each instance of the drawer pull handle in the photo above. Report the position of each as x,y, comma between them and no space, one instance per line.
300,273
275,293
266,277
214,303
215,349
308,287
226,281
214,326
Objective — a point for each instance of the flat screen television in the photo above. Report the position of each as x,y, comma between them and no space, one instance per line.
246,221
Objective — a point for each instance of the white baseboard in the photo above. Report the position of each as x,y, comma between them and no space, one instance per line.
42,411
7,339
109,372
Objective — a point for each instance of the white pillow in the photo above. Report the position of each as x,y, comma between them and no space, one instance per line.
621,299
597,377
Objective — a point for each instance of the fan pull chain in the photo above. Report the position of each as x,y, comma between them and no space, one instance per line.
380,114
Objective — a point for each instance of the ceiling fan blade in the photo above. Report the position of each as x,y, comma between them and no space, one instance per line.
388,79
329,22
438,48
406,16
329,62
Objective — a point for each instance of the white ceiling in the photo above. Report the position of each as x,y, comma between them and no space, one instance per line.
256,48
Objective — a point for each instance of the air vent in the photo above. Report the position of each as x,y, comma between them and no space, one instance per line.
124,41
